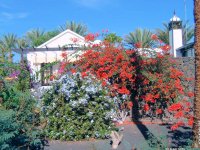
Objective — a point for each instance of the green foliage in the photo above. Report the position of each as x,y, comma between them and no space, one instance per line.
18,120
19,72
37,37
112,38
79,28
7,42
9,128
78,108
163,34
140,36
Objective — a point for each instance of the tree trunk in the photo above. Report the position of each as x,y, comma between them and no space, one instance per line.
10,55
196,126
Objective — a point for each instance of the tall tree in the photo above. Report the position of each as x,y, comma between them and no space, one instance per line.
22,43
33,36
163,34
196,126
188,32
141,37
2,52
79,28
37,37
8,42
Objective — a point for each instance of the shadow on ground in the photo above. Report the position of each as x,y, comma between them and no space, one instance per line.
181,137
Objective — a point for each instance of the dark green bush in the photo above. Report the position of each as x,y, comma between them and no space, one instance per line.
19,121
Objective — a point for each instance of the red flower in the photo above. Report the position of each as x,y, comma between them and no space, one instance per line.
130,105
90,37
179,114
145,82
123,90
104,83
132,59
154,37
138,45
175,126
190,121
146,107
119,57
159,55
83,74
175,107
149,98
52,77
73,71
159,111
166,48
104,75
190,94
64,55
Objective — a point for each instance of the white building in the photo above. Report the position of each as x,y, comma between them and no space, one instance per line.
175,36
50,51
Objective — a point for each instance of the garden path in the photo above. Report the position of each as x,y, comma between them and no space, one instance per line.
137,135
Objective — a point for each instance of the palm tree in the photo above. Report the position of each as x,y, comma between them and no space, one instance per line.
8,42
163,34
79,28
196,126
188,33
2,52
37,37
141,36
22,43
33,36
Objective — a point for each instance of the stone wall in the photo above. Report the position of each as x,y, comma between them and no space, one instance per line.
187,66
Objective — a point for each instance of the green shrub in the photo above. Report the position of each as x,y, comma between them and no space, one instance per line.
9,128
18,120
78,108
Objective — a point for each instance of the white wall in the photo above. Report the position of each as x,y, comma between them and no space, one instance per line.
176,41
36,58
62,39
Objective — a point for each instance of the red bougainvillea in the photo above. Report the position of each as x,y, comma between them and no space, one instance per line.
149,78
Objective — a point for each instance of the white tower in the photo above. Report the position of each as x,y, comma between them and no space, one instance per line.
175,35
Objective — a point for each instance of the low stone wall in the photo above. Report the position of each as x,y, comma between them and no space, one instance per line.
187,66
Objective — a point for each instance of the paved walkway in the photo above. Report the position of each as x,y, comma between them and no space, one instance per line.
139,136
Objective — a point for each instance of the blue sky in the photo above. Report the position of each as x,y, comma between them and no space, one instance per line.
119,16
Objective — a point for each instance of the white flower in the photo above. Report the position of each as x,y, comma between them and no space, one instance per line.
64,131
73,103
83,101
124,96
90,114
54,105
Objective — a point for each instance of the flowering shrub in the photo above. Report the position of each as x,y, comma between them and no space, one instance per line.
160,87
78,108
148,79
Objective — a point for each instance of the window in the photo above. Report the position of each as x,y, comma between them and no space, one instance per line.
46,72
